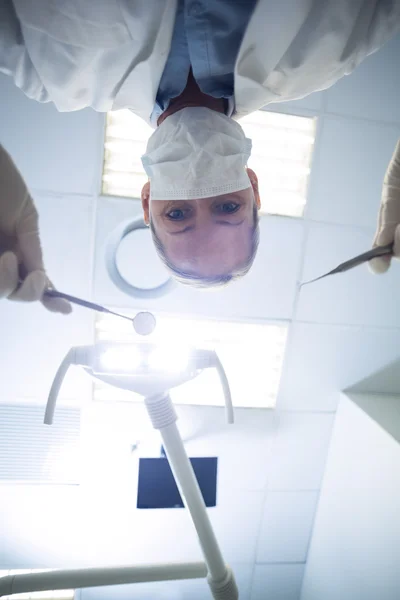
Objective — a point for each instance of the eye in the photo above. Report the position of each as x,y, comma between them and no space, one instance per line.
228,207
177,214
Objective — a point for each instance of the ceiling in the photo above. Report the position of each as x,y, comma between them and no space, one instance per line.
342,330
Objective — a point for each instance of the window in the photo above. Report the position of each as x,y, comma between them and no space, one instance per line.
47,595
251,353
281,157
125,142
55,455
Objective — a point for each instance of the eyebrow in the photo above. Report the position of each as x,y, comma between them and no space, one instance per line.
191,227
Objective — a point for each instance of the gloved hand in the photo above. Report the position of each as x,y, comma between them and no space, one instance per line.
388,230
20,250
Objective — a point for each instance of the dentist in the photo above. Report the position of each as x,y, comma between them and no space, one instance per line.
192,69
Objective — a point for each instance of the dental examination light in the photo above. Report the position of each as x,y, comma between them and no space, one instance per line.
150,370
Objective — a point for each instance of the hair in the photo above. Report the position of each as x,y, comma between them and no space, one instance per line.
214,281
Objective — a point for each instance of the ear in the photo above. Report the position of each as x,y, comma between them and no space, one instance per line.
254,184
145,197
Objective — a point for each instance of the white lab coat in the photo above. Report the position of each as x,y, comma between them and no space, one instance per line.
110,54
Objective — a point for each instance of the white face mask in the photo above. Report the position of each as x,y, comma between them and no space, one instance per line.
196,153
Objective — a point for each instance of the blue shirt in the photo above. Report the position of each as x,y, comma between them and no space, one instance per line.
207,37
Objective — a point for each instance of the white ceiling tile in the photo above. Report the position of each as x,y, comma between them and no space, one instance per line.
195,589
243,450
372,90
351,158
277,582
66,231
140,536
356,297
269,288
238,517
32,530
29,362
251,297
59,152
322,360
286,527
299,451
131,536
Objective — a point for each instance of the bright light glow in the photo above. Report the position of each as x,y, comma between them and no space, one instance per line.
281,156
168,359
127,358
251,353
120,358
47,595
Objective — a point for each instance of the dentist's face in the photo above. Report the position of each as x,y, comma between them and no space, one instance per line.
207,236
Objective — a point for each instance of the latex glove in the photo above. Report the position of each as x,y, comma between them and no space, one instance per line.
388,229
20,250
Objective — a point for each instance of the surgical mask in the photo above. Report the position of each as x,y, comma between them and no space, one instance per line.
196,153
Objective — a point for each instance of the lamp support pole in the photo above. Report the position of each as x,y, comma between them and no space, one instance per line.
163,417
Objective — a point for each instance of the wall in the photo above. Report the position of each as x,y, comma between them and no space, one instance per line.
355,546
